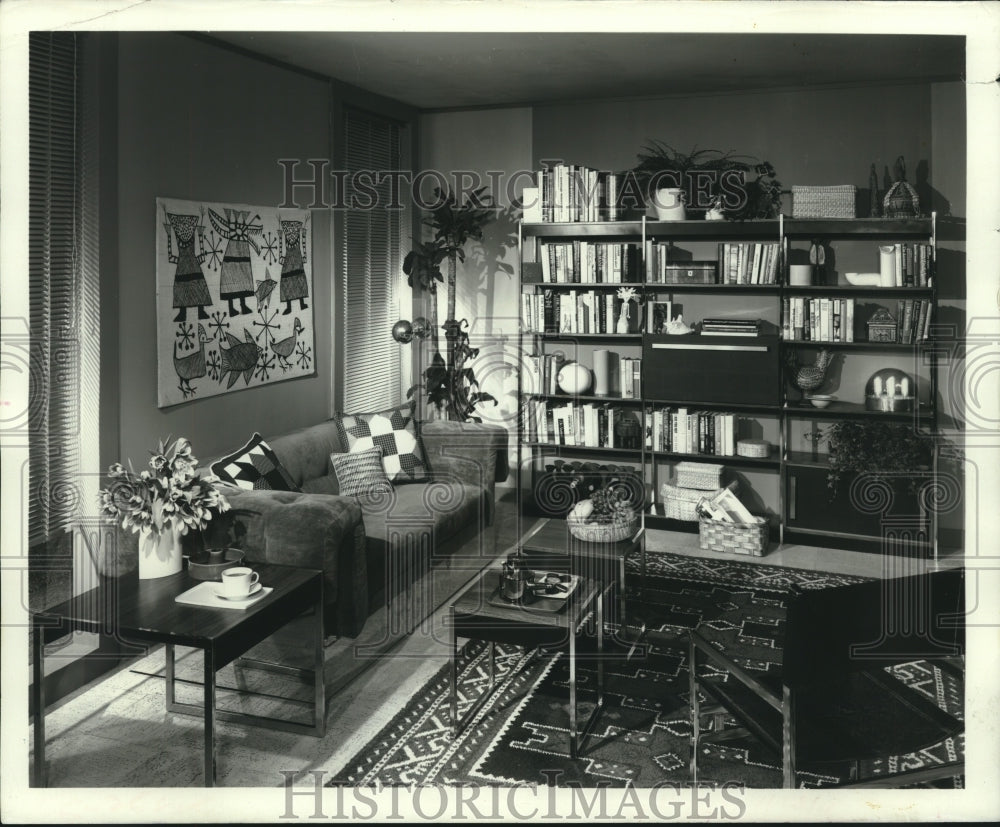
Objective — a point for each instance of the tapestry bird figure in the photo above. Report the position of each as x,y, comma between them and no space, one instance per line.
239,357
286,346
191,366
808,378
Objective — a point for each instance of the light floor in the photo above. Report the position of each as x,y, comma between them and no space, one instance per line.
116,733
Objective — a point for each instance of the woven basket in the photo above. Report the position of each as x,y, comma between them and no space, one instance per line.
734,538
682,503
703,475
823,202
601,532
756,448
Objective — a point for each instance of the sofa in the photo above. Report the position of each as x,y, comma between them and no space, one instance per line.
370,546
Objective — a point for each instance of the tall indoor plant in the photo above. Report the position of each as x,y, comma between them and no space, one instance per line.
450,385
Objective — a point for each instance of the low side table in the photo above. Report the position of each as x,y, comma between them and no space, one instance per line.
551,547
145,611
473,615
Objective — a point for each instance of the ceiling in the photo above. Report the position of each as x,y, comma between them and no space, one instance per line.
442,70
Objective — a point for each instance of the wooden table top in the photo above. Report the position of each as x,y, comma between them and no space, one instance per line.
146,609
553,536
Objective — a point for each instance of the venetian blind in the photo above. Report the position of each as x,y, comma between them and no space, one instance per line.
63,292
371,268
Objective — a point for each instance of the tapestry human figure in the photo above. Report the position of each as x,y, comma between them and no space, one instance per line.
236,275
293,284
190,287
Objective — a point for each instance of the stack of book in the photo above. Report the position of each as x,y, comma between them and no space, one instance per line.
912,264
573,192
730,327
913,320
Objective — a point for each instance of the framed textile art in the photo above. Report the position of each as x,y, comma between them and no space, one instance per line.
233,298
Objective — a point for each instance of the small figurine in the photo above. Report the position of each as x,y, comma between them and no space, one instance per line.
676,326
715,212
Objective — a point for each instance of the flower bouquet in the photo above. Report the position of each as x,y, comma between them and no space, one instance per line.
162,503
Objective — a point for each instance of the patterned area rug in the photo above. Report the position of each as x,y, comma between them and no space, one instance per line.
642,735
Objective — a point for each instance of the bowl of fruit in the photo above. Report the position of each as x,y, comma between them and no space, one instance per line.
607,516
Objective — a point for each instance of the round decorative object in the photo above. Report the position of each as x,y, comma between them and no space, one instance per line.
209,564
160,554
820,400
573,378
601,532
402,332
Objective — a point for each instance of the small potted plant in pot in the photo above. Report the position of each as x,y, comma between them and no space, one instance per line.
738,186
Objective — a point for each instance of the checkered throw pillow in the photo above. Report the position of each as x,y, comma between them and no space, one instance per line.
254,465
395,433
359,472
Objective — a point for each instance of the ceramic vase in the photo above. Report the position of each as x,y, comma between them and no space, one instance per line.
602,372
622,326
669,204
160,554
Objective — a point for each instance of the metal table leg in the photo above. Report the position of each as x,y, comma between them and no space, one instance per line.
38,690
458,724
209,718
319,675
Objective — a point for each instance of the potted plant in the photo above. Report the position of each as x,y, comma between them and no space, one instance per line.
450,385
882,449
162,503
708,180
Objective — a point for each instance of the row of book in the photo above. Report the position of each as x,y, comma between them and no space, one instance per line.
683,431
588,424
912,263
820,319
574,192
542,370
590,262
577,311
913,320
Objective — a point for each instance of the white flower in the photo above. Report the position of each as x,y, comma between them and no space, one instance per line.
627,294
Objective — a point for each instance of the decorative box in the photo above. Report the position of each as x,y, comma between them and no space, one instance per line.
682,503
823,202
690,272
701,475
734,538
881,326
755,448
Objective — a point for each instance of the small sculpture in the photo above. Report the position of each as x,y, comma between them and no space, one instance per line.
627,295
808,378
677,327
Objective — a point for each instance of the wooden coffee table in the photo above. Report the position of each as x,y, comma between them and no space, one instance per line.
144,611
474,615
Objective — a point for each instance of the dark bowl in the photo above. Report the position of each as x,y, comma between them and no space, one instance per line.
209,565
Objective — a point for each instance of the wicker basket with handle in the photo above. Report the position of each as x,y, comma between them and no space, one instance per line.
734,538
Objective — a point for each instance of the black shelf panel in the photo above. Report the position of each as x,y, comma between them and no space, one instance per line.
623,230
555,448
632,336
866,292
747,462
805,228
759,230
580,397
762,289
890,346
856,410
807,459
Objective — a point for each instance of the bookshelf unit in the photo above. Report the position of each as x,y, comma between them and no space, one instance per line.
778,484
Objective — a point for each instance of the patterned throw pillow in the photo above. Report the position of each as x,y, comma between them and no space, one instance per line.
359,472
254,465
395,433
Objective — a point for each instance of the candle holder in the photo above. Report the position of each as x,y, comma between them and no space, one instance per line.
891,391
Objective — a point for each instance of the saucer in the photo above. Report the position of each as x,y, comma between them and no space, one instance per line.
237,597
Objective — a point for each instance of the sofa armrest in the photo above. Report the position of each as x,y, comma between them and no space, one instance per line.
318,531
473,453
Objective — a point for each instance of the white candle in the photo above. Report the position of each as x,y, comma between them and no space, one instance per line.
904,385
890,386
878,385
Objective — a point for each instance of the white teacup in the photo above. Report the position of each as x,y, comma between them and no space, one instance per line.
238,581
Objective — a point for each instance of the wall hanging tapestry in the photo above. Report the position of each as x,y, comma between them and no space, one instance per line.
233,298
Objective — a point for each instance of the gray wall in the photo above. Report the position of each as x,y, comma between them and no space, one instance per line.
204,123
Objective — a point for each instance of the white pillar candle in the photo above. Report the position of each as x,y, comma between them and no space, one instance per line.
890,386
878,386
904,386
